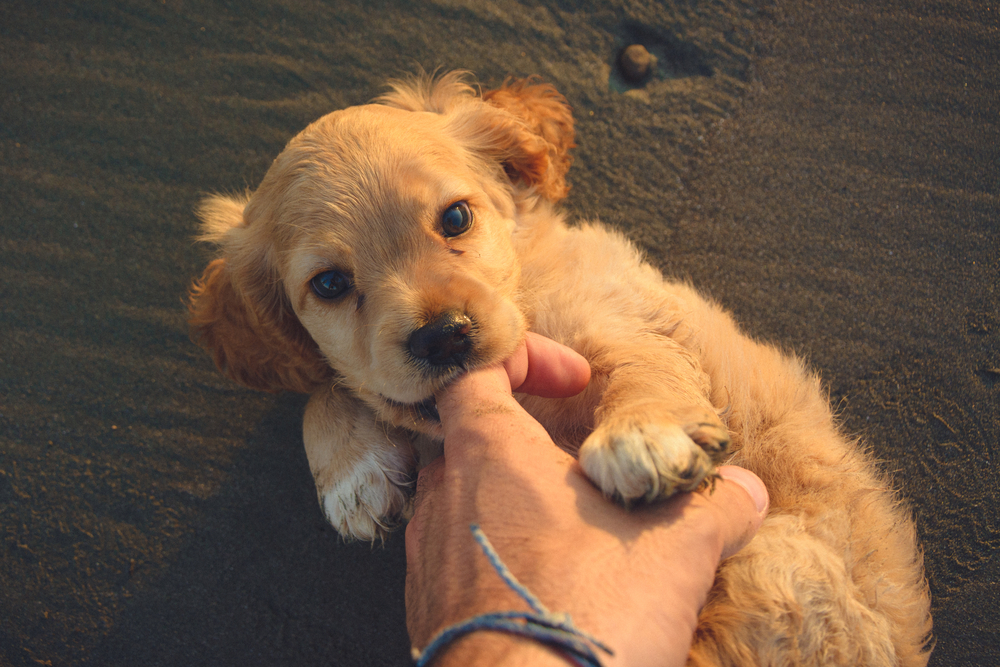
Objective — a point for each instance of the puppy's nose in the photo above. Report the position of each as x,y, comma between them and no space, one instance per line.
444,341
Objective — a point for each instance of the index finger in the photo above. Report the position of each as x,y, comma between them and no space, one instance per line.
479,407
478,410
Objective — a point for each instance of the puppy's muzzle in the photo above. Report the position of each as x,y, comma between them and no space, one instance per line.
444,341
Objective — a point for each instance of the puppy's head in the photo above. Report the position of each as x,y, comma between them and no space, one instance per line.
378,251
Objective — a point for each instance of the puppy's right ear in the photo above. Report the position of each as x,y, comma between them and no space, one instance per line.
525,124
549,120
239,312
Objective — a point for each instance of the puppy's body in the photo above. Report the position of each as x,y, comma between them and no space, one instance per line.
391,247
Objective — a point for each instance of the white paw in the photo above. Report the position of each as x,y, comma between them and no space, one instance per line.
368,504
632,459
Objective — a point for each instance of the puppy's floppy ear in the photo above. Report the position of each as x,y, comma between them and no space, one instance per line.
547,117
526,125
239,312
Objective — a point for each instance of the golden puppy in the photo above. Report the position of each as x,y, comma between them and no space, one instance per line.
393,246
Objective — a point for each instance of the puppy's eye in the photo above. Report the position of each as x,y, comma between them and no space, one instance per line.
330,285
457,219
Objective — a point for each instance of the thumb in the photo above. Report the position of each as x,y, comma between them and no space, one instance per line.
744,503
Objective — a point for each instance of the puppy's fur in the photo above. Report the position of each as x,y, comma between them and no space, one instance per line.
372,198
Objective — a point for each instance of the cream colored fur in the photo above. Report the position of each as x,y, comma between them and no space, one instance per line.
833,578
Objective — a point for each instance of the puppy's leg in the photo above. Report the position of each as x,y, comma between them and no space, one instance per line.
802,607
362,467
656,431
849,587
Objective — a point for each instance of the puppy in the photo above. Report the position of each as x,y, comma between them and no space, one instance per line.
391,247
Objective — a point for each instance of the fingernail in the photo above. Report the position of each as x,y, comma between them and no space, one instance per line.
750,482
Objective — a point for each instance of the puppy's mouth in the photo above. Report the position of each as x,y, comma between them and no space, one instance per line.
425,410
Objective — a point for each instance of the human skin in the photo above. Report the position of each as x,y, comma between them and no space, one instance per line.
633,578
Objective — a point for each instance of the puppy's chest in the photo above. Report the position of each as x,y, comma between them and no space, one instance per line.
590,283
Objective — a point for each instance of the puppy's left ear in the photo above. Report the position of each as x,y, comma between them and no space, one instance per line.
239,311
547,121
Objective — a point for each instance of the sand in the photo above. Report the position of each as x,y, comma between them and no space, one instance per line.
828,171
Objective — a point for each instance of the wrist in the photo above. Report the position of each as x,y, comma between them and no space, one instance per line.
485,648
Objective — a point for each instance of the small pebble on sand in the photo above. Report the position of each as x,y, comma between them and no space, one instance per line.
636,63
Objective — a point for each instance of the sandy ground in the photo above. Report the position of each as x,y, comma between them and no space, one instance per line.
829,171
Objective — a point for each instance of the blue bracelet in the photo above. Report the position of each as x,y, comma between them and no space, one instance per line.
556,630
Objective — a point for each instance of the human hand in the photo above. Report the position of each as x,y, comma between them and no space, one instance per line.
634,579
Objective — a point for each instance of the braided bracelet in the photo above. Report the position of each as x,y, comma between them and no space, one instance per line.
552,629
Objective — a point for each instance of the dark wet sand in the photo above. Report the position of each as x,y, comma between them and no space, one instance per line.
829,171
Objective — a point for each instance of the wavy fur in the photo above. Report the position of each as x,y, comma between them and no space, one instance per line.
835,575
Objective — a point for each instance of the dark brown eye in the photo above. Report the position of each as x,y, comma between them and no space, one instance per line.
331,284
457,219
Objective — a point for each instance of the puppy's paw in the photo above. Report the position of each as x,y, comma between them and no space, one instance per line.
649,456
367,505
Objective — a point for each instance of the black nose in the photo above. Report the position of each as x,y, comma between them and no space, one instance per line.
443,341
